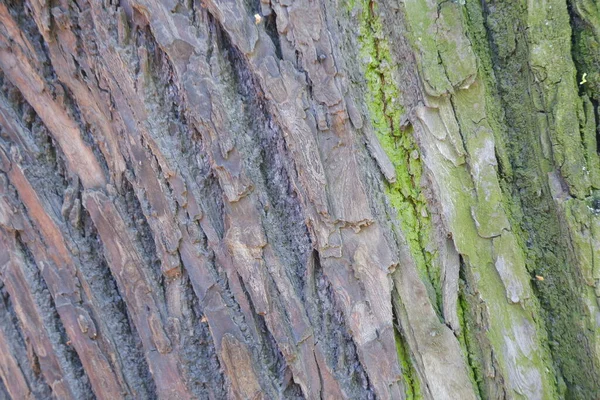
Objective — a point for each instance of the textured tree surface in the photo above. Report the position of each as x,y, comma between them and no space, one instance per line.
265,199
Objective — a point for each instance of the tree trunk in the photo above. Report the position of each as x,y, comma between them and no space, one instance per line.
391,199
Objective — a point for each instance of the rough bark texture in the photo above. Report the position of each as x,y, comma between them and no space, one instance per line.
263,199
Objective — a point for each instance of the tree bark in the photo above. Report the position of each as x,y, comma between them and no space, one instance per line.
391,199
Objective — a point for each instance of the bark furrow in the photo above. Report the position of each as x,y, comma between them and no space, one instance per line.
299,199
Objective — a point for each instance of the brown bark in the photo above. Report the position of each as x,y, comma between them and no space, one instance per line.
297,199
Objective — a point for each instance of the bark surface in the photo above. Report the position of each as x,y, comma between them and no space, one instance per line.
391,199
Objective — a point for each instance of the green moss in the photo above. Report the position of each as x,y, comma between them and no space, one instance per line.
383,103
446,59
519,202
590,144
478,213
411,380
541,104
585,21
581,216
549,39
469,343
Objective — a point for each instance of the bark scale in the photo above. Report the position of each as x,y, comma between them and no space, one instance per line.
299,199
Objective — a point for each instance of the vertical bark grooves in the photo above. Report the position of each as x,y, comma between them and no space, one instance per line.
299,199
21,368
69,379
550,249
